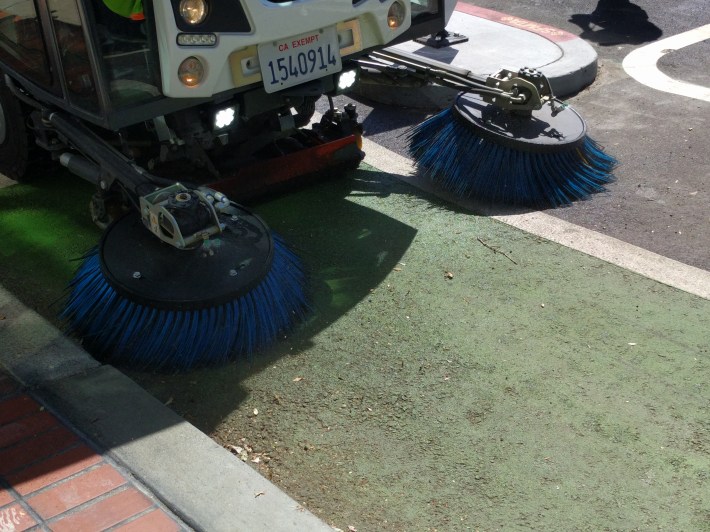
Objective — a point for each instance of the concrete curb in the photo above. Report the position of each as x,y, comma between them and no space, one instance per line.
574,69
194,477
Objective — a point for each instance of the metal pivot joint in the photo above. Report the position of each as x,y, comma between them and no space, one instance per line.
526,90
182,217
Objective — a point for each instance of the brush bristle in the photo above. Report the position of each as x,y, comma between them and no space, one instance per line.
448,151
118,330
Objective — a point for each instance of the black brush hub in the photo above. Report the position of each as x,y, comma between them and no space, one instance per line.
547,130
189,212
147,271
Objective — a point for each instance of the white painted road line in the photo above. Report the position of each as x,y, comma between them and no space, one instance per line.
641,64
633,258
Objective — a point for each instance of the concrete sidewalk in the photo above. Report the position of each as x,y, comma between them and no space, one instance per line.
51,478
182,474
165,458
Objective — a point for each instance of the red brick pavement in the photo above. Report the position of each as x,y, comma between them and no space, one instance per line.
50,479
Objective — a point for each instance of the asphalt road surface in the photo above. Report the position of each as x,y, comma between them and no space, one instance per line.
661,201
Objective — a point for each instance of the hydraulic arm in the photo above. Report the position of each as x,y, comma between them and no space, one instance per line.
523,91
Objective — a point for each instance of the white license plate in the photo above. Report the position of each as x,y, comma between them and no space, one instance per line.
298,59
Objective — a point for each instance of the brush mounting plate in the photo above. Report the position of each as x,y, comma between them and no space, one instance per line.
221,269
547,130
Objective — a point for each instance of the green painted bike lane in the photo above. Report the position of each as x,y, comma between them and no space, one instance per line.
456,372
459,373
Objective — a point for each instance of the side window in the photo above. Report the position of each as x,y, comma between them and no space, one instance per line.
21,43
74,56
129,55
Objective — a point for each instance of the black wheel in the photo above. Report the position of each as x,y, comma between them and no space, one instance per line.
14,145
305,111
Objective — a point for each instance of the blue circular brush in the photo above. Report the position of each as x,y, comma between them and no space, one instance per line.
478,150
139,302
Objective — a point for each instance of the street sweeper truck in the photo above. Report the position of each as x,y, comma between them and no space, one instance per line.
173,109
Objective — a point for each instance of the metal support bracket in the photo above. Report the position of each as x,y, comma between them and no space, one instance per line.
182,217
523,91
442,39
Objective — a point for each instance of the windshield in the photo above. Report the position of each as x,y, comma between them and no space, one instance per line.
424,7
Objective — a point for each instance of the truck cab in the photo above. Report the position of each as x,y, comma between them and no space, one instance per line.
188,90
115,71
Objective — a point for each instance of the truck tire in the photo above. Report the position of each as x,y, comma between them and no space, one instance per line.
14,142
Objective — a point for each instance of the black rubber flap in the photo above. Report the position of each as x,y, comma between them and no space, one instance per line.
546,131
150,272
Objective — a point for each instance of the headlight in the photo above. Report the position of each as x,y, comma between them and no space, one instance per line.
193,11
224,117
191,72
346,80
395,15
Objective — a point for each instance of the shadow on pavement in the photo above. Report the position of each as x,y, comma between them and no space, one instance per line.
616,22
348,250
44,227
